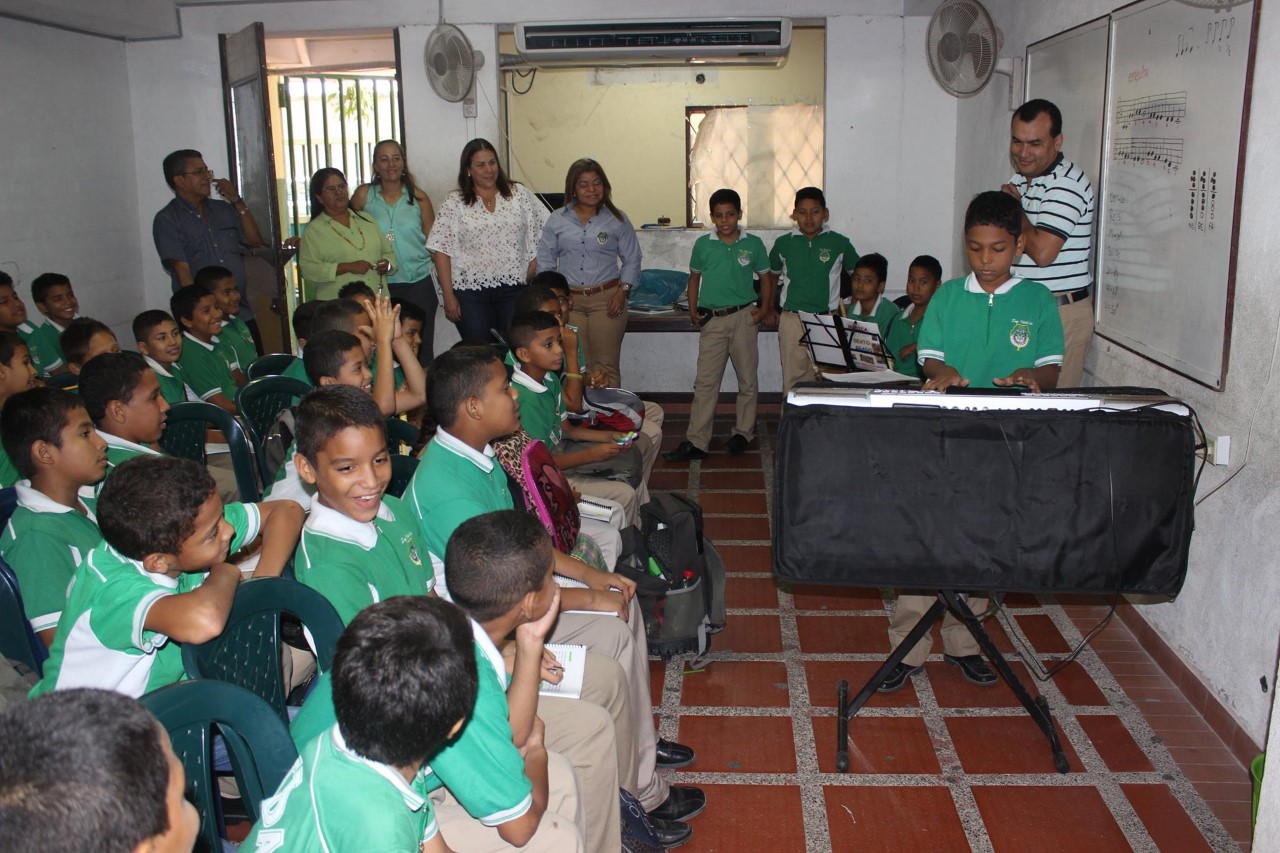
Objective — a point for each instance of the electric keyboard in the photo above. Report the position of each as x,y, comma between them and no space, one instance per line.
979,399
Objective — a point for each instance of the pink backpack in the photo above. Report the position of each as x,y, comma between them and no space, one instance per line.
539,485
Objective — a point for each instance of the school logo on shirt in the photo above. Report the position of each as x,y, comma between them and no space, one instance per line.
1020,334
602,237
413,549
744,257
824,255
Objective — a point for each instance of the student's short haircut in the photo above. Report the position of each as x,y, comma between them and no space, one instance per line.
81,770
345,315
352,289
404,673
6,280
211,275
110,376
37,414
929,264
552,279
302,316
9,343
997,209
1032,110
176,163
411,310
525,327
149,504
145,323
494,560
74,340
728,196
533,297
182,305
42,283
875,262
327,411
326,351
455,376
810,194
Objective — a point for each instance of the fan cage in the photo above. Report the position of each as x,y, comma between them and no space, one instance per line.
961,47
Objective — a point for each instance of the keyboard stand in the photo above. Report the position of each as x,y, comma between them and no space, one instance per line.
1038,707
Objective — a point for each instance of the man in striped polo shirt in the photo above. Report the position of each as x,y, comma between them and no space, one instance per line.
1057,227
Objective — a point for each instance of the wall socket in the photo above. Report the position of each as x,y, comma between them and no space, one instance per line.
1217,449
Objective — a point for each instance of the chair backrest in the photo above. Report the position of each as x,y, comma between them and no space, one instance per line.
184,435
271,364
402,468
248,651
401,433
258,744
17,640
63,380
260,400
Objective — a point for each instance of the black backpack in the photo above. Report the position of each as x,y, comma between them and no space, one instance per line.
276,444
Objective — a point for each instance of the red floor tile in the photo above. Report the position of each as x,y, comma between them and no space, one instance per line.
737,683
1119,751
1078,687
843,633
1062,819
750,593
1187,755
872,818
740,744
820,597
717,527
1011,744
746,558
822,676
732,479
749,634
733,503
670,480
724,827
1044,635
1204,738
657,680
878,745
718,461
952,690
1021,599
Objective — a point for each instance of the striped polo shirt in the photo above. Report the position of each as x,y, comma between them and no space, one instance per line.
1059,201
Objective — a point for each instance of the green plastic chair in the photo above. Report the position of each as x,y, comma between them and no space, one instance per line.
261,400
402,468
401,433
271,364
184,435
247,653
258,743
17,641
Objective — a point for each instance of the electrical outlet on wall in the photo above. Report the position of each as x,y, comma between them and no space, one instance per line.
1217,449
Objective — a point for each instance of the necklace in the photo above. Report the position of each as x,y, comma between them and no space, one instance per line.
335,230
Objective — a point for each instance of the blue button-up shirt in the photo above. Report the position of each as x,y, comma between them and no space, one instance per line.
181,234
603,249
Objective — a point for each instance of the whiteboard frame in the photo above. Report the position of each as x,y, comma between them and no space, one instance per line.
1206,379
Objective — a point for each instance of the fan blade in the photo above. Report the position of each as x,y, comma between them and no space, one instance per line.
981,52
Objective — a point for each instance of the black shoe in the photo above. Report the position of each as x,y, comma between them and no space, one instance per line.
671,833
737,444
682,803
672,754
686,452
974,669
897,678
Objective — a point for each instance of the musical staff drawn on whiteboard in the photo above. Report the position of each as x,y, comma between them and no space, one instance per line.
1153,151
1168,109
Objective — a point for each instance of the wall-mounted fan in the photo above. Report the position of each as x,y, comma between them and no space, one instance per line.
963,46
451,65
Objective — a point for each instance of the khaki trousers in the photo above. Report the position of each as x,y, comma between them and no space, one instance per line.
722,339
561,831
956,639
599,334
797,363
1077,335
650,439
597,487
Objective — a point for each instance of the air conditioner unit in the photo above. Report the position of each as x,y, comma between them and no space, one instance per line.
730,41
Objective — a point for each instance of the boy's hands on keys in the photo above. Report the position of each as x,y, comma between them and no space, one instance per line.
947,377
1024,376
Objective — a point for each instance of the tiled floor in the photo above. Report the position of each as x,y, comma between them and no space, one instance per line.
941,765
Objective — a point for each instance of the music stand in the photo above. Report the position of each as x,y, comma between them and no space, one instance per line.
838,341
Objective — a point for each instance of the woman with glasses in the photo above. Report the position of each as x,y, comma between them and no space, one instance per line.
340,245
484,243
403,213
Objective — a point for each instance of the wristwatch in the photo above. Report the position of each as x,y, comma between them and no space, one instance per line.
626,288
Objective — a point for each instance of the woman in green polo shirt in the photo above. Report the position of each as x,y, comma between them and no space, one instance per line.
340,245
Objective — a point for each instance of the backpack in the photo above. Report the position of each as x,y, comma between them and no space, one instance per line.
538,485
276,443
679,577
613,408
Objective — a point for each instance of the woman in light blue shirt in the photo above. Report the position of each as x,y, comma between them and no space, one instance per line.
593,245
405,215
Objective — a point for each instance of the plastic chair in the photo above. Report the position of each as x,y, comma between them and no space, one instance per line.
260,400
247,652
271,364
401,433
63,380
258,743
184,435
402,468
17,640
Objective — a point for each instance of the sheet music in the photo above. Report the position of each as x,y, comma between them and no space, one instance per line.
866,347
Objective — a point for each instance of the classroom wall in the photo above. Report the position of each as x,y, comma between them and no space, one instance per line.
1225,624
70,204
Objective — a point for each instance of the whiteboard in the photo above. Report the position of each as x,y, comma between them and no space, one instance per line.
1176,108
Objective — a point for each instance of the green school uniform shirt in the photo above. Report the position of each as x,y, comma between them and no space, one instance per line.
173,381
334,799
237,338
206,367
8,472
728,270
355,564
120,450
297,370
986,336
542,410
43,542
883,316
43,341
810,269
903,332
500,793
102,640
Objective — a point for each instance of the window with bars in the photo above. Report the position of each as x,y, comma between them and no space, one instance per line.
766,153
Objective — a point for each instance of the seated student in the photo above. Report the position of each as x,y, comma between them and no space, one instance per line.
160,342
535,343
471,400
301,323
235,341
404,682
50,438
413,321
122,396
207,369
17,374
342,315
722,305
988,329
91,770
53,296
868,303
357,291
85,339
159,577
923,277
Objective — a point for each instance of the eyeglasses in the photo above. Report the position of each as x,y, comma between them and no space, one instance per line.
204,173
335,188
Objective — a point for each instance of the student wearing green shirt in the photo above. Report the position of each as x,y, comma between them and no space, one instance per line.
235,341
122,395
40,339
923,277
404,682
56,300
51,439
17,374
867,302
160,342
205,364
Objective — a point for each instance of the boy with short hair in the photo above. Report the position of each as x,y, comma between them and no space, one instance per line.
122,396
50,438
160,342
205,364
235,341
84,340
357,291
17,374
723,306
404,682
13,313
923,277
809,261
413,322
867,302
91,770
53,296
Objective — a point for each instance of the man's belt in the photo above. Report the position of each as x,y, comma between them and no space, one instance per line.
1069,296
